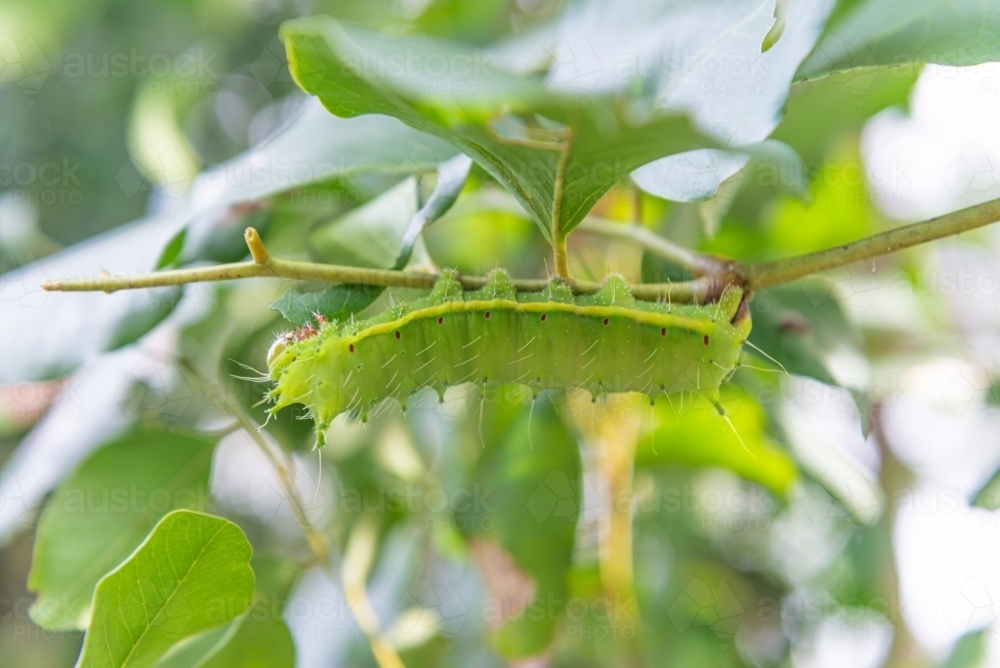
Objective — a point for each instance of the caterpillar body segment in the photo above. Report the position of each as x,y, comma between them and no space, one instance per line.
606,342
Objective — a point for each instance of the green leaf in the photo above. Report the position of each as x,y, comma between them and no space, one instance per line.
104,510
896,32
172,251
133,328
556,164
988,496
257,639
191,574
337,302
451,180
696,435
532,476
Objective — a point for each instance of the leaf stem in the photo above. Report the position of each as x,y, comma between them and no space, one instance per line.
269,266
558,236
560,257
769,274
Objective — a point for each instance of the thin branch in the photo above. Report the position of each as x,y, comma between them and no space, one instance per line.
768,274
269,266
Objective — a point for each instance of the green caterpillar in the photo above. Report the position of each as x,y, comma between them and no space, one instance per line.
605,342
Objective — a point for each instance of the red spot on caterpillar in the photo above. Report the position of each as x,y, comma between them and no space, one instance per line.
706,340
545,316
487,315
606,322
663,331
440,320
351,347
397,334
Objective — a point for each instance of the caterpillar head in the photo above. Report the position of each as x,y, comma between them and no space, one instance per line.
280,343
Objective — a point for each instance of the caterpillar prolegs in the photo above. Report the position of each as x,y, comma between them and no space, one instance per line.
605,342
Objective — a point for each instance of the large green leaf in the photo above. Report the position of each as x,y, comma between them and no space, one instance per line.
104,510
258,639
896,32
557,166
191,574
532,476
739,102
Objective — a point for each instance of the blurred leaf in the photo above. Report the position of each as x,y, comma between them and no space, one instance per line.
477,22
370,235
94,406
336,303
608,46
821,424
451,179
988,496
799,325
104,510
696,175
49,334
696,435
968,652
896,32
839,210
313,148
475,108
993,395
191,574
819,111
172,251
532,475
